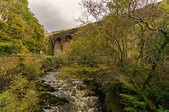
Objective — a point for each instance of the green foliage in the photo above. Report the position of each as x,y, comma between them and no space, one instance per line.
161,109
84,72
121,96
20,91
17,22
82,51
132,103
5,99
22,96
86,51
158,95
32,70
49,62
9,48
136,43
30,43
52,59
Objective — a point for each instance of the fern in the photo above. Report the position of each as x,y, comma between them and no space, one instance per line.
132,103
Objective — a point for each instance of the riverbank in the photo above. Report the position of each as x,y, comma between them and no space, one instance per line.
19,85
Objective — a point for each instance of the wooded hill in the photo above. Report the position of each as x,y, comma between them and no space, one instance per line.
126,55
19,29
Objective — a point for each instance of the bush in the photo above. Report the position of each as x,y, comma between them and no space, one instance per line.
159,96
32,70
84,72
9,48
85,51
20,97
50,62
121,96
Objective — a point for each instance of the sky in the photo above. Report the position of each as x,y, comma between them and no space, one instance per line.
56,14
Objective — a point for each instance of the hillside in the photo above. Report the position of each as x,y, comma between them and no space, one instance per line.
125,57
19,28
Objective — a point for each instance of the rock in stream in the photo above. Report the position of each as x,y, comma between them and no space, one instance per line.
80,98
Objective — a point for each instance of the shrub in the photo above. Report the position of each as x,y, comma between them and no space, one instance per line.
9,48
50,62
85,51
32,70
20,97
84,72
121,96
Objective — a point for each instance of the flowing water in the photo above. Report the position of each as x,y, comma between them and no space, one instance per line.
79,96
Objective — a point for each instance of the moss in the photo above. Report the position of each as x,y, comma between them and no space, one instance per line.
43,86
48,100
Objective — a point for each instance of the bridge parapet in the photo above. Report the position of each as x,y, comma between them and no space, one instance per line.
63,34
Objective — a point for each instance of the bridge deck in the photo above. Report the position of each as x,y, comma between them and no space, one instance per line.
64,33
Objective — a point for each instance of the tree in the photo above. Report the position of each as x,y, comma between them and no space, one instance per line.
93,10
19,26
139,39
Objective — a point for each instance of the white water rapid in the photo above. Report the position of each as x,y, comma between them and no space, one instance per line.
80,98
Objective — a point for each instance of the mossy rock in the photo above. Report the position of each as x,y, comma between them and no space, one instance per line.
44,87
48,100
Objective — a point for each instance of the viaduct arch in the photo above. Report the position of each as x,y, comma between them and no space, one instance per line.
61,41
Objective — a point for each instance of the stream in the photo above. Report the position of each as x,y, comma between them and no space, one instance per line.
80,98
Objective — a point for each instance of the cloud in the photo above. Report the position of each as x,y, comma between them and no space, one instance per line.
56,14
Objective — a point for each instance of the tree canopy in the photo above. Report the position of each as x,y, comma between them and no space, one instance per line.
19,28
132,40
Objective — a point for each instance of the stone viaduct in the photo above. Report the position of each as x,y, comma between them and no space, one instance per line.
61,41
